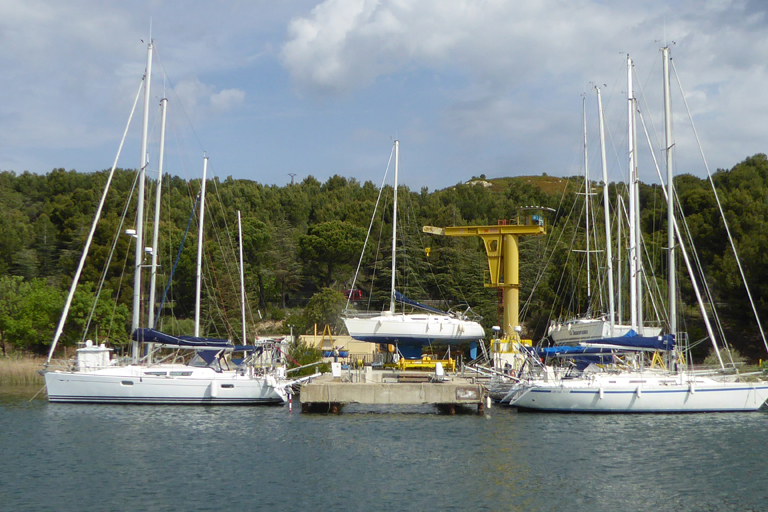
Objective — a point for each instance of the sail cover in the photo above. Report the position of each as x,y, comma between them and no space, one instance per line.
632,341
561,350
399,297
153,336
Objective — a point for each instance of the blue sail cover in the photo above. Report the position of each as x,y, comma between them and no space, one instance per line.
570,351
399,297
632,341
153,336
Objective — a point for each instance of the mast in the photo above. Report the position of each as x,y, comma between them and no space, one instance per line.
394,229
156,228
619,210
608,249
199,269
638,231
242,277
89,239
586,195
670,193
139,252
632,218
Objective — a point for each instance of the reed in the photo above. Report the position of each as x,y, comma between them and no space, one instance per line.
20,371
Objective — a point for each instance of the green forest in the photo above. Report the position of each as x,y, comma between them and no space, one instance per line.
302,243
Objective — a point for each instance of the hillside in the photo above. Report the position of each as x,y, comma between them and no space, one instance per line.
304,239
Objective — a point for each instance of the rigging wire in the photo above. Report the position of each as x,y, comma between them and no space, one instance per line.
370,226
75,280
107,263
555,245
722,213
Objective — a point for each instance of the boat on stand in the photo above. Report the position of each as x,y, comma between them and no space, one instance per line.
200,371
632,374
410,332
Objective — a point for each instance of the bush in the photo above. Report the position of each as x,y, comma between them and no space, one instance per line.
277,314
302,353
711,359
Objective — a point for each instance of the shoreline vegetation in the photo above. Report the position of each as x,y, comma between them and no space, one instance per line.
20,372
302,244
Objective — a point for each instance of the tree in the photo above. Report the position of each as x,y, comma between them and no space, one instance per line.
285,264
29,313
300,353
101,319
331,246
324,308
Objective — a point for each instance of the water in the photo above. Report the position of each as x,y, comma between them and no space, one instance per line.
156,458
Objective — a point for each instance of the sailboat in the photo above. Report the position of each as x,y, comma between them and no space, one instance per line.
668,384
409,331
208,378
573,331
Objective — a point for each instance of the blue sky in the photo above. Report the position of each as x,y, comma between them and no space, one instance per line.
469,87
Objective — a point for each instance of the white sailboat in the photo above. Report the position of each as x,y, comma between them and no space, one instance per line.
573,331
409,331
96,377
632,387
637,391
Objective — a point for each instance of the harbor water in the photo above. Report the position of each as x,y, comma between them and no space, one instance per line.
156,458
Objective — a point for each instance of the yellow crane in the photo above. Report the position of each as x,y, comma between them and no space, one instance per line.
501,247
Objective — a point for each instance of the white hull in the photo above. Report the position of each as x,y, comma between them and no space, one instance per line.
163,384
584,329
413,329
639,392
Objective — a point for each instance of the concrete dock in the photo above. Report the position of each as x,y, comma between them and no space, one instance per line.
385,387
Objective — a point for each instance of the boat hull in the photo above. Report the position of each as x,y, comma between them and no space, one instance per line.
638,395
413,329
590,329
156,385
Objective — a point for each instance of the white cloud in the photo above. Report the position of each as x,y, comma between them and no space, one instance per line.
344,44
227,99
513,70
487,85
192,93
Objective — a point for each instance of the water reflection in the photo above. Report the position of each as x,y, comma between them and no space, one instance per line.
96,457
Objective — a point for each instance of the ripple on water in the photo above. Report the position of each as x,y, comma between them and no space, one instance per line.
97,457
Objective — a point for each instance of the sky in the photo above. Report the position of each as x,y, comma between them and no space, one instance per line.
270,89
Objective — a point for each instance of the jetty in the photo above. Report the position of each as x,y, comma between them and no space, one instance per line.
330,392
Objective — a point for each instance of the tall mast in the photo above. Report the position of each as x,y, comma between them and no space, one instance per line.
586,194
619,210
608,249
139,252
632,199
638,232
242,277
199,268
89,239
670,193
156,227
394,229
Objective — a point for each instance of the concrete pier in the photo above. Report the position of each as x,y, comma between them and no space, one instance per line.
329,394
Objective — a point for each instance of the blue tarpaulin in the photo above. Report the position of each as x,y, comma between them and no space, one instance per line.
568,350
665,342
630,341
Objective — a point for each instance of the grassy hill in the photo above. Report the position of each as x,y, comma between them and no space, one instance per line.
552,185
